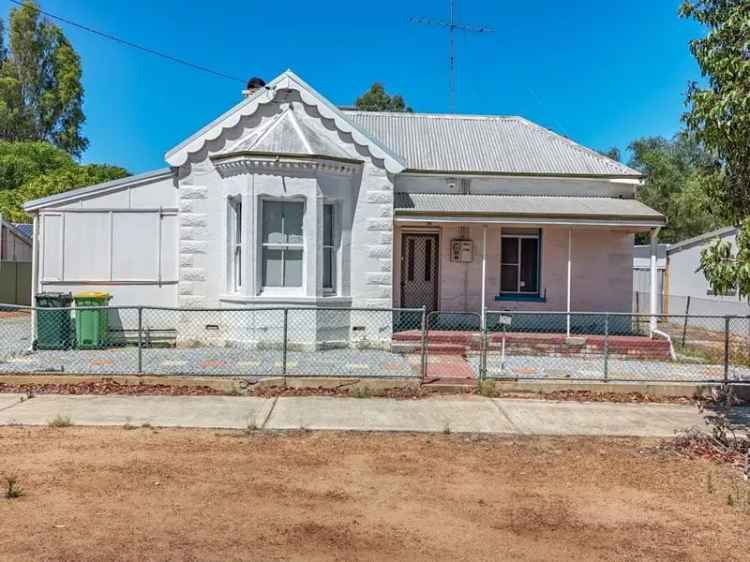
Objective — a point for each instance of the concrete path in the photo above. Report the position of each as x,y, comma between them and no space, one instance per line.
465,414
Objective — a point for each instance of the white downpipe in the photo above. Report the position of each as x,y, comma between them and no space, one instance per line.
570,275
484,272
669,339
652,308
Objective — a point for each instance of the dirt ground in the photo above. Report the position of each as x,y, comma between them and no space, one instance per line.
185,495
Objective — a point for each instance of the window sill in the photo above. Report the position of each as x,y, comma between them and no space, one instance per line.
520,297
288,300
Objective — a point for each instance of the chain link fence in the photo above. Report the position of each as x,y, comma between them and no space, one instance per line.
249,342
383,343
617,347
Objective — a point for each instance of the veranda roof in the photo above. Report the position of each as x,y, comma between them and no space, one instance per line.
525,208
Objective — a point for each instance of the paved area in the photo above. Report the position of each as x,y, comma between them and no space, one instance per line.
469,414
173,411
540,368
211,361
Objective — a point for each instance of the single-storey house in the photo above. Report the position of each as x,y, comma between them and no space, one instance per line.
288,200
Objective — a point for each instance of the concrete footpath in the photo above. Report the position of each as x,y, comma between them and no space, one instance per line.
455,414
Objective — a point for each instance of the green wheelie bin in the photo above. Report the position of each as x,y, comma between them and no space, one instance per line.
92,325
54,327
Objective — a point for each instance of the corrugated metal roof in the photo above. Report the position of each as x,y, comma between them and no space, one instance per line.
484,144
525,206
24,228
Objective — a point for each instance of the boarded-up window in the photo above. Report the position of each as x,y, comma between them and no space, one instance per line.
109,246
134,246
86,246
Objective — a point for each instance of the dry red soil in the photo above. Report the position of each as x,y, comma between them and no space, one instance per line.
183,495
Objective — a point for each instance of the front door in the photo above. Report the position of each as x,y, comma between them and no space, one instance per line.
419,271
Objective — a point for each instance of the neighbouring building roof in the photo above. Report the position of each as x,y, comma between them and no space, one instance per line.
702,239
600,209
25,229
484,144
17,228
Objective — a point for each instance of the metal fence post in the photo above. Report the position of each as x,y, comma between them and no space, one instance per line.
685,321
483,348
423,357
726,348
140,339
285,344
606,346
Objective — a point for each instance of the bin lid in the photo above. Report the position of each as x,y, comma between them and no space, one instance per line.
93,295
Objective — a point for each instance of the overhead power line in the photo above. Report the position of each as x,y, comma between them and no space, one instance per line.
135,45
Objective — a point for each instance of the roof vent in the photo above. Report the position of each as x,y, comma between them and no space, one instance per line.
253,84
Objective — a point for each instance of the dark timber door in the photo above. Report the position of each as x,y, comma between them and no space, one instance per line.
419,271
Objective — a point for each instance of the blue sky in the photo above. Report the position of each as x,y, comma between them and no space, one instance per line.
602,73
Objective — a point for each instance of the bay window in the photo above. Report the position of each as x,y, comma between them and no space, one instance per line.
519,261
282,243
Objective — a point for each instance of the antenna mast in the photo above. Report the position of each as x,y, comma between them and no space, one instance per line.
452,27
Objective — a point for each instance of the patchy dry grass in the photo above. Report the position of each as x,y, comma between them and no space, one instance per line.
106,494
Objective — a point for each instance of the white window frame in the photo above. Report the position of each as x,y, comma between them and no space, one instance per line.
332,248
520,291
234,241
273,289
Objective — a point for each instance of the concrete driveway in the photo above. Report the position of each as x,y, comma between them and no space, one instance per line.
470,414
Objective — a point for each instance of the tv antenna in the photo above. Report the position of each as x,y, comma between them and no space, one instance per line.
452,26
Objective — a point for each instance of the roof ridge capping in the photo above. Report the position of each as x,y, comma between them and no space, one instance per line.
548,195
432,115
178,155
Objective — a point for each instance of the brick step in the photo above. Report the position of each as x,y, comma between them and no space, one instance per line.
437,337
433,348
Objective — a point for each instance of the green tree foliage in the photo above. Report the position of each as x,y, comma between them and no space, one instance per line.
22,161
376,99
675,183
613,153
40,83
725,271
54,182
719,116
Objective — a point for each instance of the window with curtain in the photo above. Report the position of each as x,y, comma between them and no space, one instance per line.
282,243
329,247
519,262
